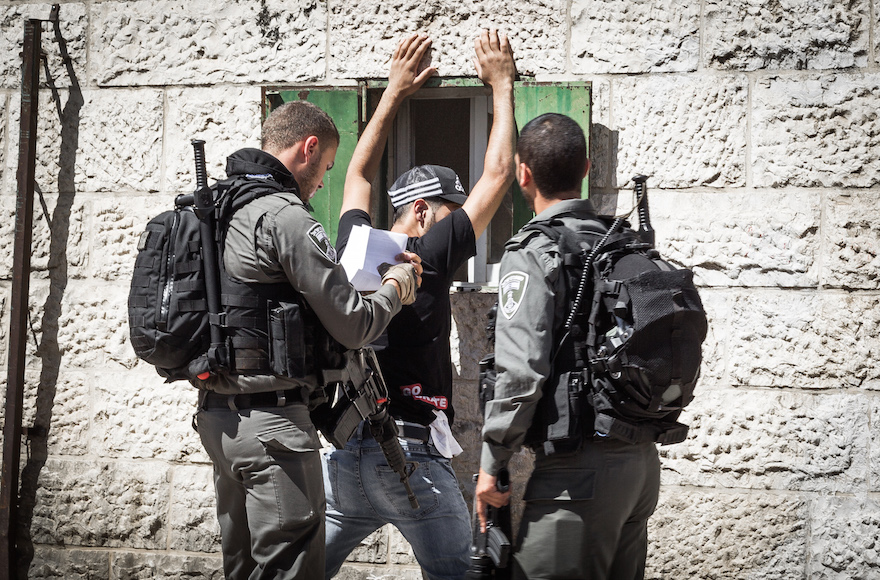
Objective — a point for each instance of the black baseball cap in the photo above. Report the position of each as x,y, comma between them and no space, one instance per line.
427,181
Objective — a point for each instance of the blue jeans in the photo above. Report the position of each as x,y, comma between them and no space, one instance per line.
363,494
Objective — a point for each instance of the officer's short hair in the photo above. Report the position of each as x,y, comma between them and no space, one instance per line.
294,121
554,148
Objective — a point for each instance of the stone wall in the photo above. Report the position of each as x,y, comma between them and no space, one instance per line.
756,119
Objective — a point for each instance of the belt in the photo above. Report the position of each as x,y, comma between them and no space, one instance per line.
213,400
416,431
406,430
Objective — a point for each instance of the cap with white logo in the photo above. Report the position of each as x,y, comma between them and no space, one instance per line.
427,181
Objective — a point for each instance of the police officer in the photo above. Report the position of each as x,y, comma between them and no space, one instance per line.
279,270
587,508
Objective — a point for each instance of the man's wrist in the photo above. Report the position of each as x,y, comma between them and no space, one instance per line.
502,85
393,95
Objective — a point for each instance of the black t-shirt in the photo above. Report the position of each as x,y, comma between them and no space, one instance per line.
414,352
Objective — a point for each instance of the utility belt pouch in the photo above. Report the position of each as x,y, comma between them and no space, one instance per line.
289,344
563,412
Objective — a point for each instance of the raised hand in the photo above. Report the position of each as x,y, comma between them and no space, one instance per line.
494,58
407,74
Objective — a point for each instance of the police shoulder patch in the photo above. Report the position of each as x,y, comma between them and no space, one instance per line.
511,290
322,242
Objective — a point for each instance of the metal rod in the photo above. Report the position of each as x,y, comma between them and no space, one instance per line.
18,311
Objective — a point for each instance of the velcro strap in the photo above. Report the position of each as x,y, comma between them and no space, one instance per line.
212,400
196,285
151,238
137,301
573,260
137,321
665,433
240,301
672,433
140,281
247,342
145,261
608,286
247,363
238,321
193,246
606,425
188,267
192,305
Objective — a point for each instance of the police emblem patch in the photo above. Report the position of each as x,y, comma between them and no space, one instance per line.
511,290
322,242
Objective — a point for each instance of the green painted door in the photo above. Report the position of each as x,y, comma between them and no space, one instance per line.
342,106
534,99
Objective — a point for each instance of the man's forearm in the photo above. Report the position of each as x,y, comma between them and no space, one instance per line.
502,141
368,153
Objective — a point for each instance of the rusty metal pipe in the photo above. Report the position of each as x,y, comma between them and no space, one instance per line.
18,311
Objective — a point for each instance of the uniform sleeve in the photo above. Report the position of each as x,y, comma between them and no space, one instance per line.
308,260
523,345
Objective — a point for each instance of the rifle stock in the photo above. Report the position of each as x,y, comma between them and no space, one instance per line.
646,232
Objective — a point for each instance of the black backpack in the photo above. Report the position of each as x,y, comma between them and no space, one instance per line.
630,347
167,304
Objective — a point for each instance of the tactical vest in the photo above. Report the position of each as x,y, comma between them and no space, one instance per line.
563,415
267,328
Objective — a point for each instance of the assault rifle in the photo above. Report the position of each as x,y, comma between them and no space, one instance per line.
357,392
490,551
203,204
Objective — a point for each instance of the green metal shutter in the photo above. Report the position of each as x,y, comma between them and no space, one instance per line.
534,99
342,106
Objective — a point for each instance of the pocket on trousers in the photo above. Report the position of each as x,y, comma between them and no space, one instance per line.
289,437
288,485
561,485
422,485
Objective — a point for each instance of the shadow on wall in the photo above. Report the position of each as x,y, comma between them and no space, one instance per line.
47,348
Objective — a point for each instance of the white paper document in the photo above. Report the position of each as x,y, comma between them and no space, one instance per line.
366,250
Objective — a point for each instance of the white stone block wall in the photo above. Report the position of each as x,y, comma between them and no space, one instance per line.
757,122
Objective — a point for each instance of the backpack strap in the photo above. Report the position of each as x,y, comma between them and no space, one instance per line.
663,432
556,230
